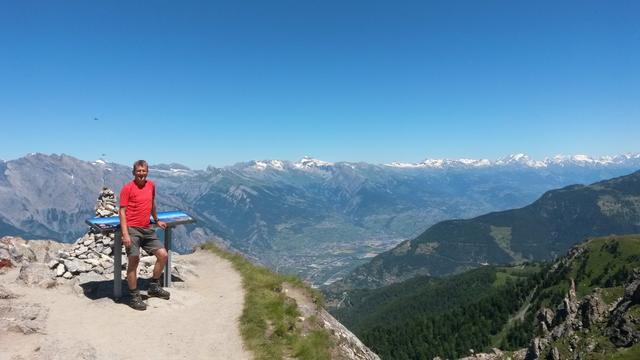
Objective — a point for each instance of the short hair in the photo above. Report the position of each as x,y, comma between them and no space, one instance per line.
138,164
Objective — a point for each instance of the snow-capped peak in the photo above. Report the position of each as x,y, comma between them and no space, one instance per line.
521,159
309,162
268,164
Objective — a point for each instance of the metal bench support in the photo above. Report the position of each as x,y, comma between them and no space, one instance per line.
117,265
166,280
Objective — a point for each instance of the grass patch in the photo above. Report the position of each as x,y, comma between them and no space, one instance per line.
609,295
502,235
631,353
269,321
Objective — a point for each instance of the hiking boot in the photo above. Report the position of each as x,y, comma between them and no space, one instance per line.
156,290
136,301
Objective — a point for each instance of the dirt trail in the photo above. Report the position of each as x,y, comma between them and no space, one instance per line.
199,322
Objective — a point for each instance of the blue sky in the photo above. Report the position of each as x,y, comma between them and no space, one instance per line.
218,82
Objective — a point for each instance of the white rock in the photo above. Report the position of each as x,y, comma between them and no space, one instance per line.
92,262
71,265
60,270
148,260
67,275
76,266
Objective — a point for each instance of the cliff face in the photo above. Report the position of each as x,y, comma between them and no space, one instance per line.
588,322
347,345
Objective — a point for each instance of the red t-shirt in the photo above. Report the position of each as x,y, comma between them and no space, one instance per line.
139,201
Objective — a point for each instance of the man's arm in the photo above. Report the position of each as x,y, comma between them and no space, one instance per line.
126,240
154,213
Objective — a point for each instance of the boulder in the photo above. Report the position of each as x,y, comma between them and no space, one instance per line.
5,254
36,274
545,316
593,309
81,250
621,327
92,262
632,291
76,266
535,348
622,331
60,269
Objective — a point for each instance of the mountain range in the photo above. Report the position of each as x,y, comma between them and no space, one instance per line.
542,230
314,218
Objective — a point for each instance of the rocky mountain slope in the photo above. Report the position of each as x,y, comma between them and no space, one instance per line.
310,217
585,305
540,231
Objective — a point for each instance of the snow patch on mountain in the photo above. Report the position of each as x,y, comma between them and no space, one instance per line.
521,159
262,165
308,162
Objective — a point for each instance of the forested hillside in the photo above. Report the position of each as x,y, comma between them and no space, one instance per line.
492,306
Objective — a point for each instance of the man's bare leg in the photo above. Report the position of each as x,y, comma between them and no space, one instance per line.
154,286
132,272
132,282
161,261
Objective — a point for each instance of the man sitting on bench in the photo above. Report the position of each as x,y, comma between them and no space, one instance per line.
137,203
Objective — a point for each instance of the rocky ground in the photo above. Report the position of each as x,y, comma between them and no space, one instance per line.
45,316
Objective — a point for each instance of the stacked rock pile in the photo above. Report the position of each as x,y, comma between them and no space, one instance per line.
106,204
93,252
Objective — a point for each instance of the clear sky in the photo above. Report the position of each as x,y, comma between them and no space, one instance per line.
218,82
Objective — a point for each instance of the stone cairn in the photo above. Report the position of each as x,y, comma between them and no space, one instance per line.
93,252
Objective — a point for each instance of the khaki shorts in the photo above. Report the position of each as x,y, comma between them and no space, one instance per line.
145,238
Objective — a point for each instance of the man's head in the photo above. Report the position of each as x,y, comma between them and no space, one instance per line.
140,171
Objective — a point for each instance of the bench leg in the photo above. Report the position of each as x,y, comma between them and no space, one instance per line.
166,276
117,265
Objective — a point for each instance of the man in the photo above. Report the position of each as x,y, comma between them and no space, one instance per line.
137,203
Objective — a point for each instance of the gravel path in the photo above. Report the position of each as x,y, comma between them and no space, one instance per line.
199,322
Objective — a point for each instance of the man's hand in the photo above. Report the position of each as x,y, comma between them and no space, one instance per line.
161,224
126,241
